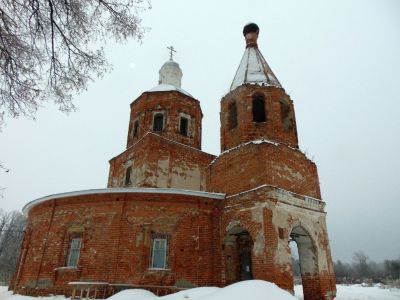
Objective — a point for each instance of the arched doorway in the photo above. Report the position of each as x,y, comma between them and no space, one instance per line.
237,250
307,260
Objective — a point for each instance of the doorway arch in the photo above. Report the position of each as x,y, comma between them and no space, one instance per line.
237,251
308,261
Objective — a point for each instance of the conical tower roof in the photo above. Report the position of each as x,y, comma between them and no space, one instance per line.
253,68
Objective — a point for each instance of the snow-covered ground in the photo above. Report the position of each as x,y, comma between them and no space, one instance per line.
252,289
358,292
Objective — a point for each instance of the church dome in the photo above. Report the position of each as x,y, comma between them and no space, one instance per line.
170,78
170,73
171,63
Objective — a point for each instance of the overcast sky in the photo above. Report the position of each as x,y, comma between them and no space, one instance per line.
338,60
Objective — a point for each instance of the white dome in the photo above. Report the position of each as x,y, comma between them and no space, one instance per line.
170,73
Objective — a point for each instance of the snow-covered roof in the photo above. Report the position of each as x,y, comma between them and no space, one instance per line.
253,69
33,203
163,87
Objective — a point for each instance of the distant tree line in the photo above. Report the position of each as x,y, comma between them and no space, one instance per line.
362,269
12,226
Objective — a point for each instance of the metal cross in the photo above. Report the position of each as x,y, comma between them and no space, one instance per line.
171,52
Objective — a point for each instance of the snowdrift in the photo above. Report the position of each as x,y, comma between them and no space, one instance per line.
251,289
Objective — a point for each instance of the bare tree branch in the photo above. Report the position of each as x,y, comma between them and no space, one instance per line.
47,48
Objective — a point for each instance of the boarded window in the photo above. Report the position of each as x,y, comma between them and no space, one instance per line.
135,128
259,108
159,252
232,117
74,251
184,126
158,122
128,176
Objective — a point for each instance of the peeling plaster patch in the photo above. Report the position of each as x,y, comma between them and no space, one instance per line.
259,243
309,221
139,239
162,172
231,225
185,177
296,175
257,213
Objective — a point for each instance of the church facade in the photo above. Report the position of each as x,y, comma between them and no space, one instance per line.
174,216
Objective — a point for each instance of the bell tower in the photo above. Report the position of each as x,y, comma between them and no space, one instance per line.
256,107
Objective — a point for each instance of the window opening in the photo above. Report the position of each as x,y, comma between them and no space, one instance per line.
259,108
232,117
183,126
158,122
135,128
286,115
159,252
128,176
74,251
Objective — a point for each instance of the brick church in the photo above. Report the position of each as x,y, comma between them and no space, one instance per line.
174,216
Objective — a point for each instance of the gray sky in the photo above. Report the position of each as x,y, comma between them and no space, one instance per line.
338,60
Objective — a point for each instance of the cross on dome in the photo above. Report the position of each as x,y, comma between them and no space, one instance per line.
171,52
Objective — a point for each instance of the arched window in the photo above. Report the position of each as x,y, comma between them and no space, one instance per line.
232,115
158,122
259,108
128,176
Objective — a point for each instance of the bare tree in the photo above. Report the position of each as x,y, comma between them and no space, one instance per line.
361,264
11,234
49,49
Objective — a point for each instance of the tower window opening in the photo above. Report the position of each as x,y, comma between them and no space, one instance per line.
184,126
158,122
128,176
286,115
259,108
135,128
232,117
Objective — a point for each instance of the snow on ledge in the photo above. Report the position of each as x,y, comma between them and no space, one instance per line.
168,87
255,142
173,191
307,199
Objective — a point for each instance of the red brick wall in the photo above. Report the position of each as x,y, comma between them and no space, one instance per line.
116,230
146,156
252,165
247,130
258,213
172,104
